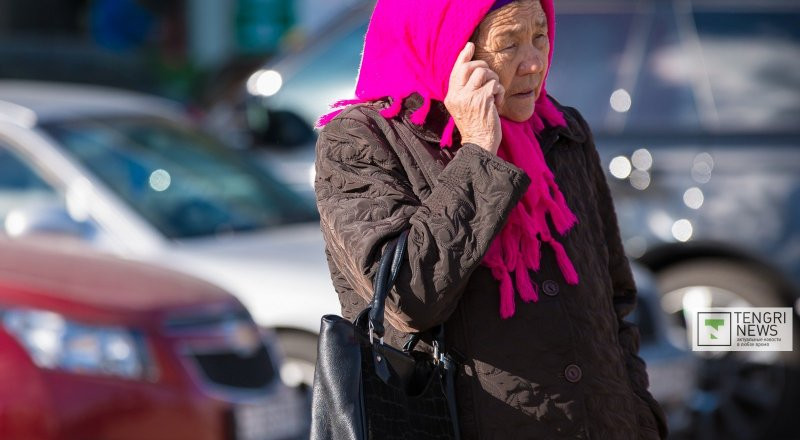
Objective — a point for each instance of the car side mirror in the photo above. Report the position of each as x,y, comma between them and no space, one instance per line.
277,129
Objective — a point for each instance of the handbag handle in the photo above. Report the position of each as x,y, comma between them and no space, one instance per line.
389,266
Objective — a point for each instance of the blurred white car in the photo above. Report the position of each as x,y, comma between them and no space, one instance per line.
131,175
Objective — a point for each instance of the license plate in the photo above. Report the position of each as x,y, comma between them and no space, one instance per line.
276,419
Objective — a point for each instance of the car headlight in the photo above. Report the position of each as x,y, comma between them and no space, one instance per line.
54,342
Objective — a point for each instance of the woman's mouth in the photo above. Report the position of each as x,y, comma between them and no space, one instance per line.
524,94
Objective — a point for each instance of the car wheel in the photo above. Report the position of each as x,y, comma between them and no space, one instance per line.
300,356
737,395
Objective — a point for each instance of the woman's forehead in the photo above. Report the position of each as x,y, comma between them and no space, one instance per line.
515,17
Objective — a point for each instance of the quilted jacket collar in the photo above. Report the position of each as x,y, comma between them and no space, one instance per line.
438,116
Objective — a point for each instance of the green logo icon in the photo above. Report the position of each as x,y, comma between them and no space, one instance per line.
715,324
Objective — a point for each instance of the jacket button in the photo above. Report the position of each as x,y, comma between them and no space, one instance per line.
550,287
573,373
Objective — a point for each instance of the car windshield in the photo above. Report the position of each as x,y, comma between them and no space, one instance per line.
184,183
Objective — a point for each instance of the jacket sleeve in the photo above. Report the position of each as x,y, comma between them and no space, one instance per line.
365,199
624,287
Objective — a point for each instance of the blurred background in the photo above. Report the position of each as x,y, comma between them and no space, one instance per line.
162,273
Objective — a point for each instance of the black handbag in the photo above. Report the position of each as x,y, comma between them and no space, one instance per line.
365,389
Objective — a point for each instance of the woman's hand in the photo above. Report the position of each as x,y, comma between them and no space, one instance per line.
472,100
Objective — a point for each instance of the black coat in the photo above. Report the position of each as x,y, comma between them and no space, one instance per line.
563,367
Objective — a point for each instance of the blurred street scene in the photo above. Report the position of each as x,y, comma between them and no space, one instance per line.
162,272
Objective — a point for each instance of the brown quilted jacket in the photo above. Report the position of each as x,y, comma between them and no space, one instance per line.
563,367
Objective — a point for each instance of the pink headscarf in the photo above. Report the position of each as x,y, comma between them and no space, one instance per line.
411,46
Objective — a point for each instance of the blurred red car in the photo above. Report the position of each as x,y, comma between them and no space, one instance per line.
101,348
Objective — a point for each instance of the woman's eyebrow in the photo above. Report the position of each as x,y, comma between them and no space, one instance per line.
540,22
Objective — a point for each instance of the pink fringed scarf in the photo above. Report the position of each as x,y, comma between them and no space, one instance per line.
411,46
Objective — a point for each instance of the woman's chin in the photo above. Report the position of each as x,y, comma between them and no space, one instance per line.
519,113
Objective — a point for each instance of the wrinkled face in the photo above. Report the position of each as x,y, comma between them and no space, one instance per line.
513,41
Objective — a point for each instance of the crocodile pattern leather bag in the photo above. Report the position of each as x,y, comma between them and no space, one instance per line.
365,389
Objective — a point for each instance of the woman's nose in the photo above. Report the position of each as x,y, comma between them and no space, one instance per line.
533,62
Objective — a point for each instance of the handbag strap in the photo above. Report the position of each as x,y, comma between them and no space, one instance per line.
389,266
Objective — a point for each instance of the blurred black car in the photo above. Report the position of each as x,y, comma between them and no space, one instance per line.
695,108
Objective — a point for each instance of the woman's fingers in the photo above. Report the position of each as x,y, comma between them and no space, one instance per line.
469,69
499,93
479,77
465,67
474,91
459,76
466,53
491,89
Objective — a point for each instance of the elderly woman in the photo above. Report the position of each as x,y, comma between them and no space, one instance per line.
452,136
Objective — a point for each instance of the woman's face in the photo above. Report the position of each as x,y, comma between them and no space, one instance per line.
513,41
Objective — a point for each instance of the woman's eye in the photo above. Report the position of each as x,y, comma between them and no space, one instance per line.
540,39
510,46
